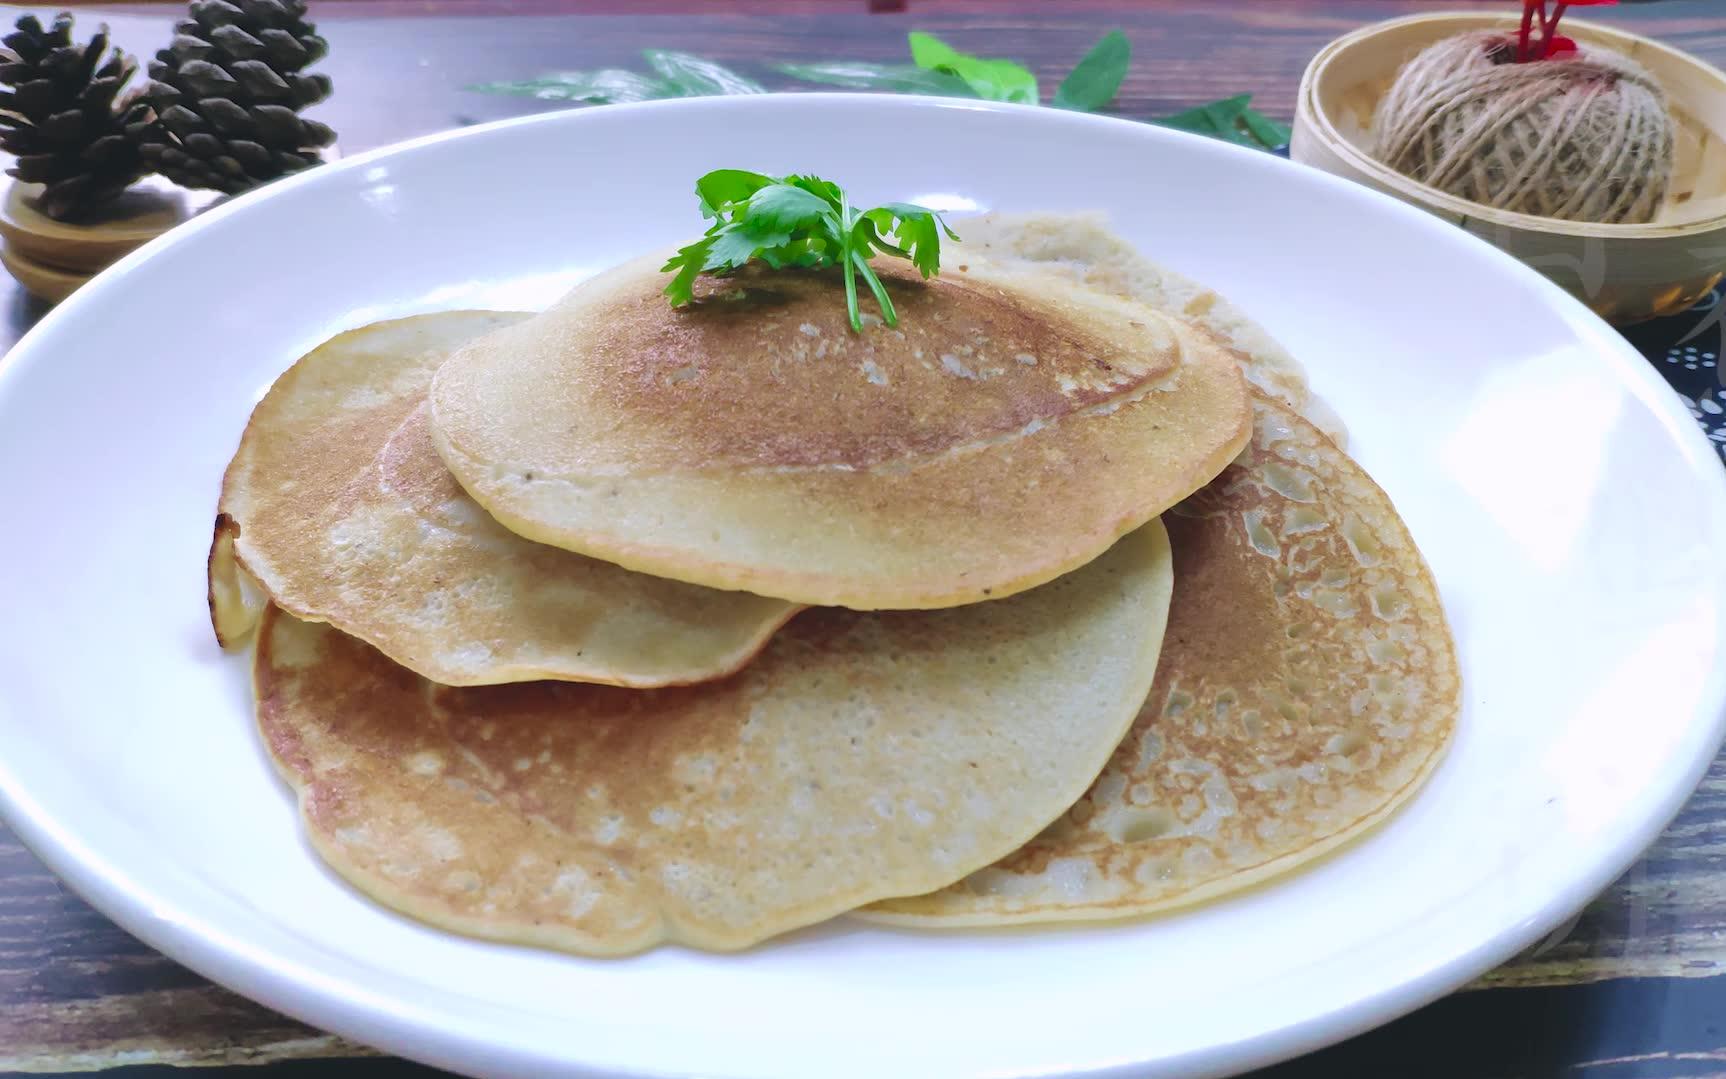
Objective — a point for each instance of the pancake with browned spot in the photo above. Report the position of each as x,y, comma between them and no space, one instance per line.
1081,247
1009,430
338,506
1308,684
861,755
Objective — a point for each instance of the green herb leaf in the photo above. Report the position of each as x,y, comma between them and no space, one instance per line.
892,78
806,252
1220,119
803,221
993,80
917,230
1233,119
826,190
689,262
1097,78
606,87
732,248
1268,132
721,187
784,208
697,76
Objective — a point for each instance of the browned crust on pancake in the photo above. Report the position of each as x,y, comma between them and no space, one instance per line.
1308,686
339,507
951,374
897,470
233,594
862,755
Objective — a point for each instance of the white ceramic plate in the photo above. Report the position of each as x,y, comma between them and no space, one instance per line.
1572,514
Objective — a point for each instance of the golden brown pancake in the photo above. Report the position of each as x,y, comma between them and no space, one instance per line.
1080,247
1307,686
861,755
1007,432
339,507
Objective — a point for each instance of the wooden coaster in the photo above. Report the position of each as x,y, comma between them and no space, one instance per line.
139,215
51,258
44,282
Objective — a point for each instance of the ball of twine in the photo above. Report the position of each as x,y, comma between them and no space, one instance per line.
1584,136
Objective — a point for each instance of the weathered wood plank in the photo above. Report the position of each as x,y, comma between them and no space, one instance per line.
200,1025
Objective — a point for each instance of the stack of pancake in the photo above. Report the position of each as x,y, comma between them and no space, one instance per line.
618,624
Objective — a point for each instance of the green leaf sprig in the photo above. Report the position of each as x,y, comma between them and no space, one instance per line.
804,222
1097,78
991,80
1232,119
938,69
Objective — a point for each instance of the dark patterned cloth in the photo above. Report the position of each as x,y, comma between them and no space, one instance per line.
1687,348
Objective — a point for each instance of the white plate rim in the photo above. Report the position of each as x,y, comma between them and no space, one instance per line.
298,990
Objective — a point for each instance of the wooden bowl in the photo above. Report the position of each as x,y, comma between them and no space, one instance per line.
1626,273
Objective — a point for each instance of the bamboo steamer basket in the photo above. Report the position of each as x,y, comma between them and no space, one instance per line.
1625,273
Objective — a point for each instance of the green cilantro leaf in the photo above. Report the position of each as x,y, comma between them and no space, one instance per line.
1097,78
732,248
723,187
689,262
784,207
992,80
823,189
917,230
808,222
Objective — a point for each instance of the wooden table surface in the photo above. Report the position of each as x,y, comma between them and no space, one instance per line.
1629,990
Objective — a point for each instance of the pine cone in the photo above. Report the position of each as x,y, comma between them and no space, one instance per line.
227,93
62,118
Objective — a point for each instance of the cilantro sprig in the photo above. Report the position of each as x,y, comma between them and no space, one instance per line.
804,222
